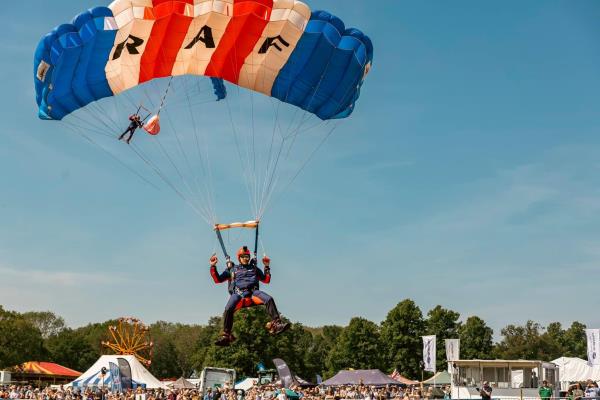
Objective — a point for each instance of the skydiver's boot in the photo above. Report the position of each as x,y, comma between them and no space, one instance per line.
225,339
277,326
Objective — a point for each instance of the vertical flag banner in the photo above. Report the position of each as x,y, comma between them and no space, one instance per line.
452,352
287,379
125,369
429,352
593,346
115,374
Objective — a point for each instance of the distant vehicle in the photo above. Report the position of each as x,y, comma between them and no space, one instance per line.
5,377
267,376
213,378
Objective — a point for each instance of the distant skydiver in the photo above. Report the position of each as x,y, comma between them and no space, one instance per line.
244,289
136,122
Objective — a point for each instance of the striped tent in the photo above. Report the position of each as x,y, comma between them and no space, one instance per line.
42,371
140,376
98,380
45,368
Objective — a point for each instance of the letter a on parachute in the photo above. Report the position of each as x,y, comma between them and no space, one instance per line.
276,47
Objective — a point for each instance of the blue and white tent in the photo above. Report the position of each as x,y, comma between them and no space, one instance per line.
140,376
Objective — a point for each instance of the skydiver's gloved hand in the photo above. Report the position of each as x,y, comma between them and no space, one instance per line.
266,262
213,260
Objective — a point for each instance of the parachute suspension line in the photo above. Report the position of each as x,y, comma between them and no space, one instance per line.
190,198
151,165
270,157
308,159
254,174
76,122
185,158
158,142
186,185
162,101
204,162
303,119
237,145
93,142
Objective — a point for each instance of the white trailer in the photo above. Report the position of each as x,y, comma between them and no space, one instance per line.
214,378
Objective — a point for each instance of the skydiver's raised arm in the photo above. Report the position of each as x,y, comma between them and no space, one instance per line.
265,277
218,277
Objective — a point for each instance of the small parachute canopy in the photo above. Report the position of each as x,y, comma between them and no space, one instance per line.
153,125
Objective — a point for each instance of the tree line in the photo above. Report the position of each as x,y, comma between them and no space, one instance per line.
395,343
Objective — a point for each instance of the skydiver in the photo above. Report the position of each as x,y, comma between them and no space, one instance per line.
244,281
136,122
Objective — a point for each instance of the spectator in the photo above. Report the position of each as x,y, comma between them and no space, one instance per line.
591,389
486,391
577,393
545,391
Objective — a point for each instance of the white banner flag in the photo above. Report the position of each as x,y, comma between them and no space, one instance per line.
452,352
429,353
593,346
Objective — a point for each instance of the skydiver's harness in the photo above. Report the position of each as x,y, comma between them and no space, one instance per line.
232,288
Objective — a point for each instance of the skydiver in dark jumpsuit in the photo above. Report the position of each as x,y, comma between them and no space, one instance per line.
244,281
136,122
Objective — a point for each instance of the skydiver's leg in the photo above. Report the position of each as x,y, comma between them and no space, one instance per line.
130,135
269,303
276,325
123,134
229,312
128,130
226,337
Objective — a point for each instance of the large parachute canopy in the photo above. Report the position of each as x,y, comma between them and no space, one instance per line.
293,72
275,47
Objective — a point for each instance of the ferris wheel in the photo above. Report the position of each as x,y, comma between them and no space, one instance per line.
130,337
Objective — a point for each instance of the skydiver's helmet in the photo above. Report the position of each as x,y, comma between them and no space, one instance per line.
243,251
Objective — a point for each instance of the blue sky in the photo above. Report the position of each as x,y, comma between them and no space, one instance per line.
468,177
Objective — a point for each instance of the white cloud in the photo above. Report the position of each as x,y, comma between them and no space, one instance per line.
56,278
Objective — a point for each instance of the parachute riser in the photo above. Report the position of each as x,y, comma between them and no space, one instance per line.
250,224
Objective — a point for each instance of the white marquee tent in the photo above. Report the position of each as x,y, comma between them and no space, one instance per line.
572,369
139,374
246,384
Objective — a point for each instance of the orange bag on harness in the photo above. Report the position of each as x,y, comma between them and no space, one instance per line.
153,125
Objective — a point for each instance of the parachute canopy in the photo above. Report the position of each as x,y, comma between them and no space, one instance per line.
275,47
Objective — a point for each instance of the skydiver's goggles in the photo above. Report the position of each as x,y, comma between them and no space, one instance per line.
245,256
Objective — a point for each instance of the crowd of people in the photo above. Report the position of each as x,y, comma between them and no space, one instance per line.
264,392
578,391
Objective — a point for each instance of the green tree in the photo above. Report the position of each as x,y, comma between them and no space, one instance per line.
401,333
316,355
205,342
527,342
72,349
20,340
48,323
444,324
574,341
476,339
358,346
164,359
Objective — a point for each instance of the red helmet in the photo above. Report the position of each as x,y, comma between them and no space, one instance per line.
243,250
